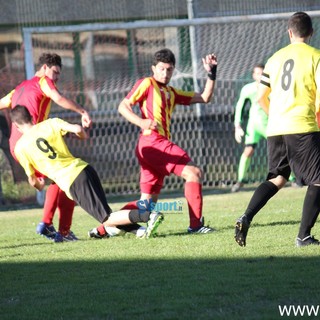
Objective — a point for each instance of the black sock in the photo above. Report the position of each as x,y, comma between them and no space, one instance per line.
310,211
129,227
139,216
261,196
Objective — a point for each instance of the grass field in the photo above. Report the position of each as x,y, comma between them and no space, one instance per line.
173,276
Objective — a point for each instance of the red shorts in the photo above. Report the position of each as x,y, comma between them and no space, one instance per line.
158,157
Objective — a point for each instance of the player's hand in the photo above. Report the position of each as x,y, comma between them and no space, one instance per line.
86,120
41,183
210,62
148,124
238,134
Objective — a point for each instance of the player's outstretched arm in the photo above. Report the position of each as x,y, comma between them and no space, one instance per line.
68,104
74,128
210,64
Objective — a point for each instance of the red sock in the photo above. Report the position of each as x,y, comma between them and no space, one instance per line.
66,208
193,194
101,230
130,206
50,204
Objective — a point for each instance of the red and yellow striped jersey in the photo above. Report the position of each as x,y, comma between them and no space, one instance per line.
157,102
30,93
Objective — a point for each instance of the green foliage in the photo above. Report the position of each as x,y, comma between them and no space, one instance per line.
173,276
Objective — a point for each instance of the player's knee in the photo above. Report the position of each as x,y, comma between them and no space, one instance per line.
197,173
192,173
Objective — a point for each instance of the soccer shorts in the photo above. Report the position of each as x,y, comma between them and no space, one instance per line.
158,157
256,130
299,152
87,191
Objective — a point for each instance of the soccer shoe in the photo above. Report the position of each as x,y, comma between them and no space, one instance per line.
135,229
66,238
241,230
307,241
155,220
201,229
140,232
70,237
46,230
94,233
236,187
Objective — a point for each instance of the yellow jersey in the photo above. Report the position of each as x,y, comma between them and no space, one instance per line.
43,149
293,75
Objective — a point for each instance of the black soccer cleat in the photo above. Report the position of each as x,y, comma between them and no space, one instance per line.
309,240
241,230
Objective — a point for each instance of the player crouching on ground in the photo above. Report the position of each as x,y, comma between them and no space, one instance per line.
42,148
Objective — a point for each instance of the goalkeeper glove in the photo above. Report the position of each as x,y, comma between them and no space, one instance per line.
239,133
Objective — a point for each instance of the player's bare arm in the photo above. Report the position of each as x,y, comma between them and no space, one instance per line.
66,103
263,97
210,64
76,129
125,109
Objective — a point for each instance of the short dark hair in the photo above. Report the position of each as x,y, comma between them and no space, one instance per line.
300,24
50,59
165,56
20,114
258,65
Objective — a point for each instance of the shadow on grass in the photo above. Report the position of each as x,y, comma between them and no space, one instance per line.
250,288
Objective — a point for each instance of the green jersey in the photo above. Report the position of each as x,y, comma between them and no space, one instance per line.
249,92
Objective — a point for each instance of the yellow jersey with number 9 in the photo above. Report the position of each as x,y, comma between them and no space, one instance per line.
293,75
43,149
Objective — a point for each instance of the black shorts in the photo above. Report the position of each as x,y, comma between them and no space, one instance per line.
297,152
87,192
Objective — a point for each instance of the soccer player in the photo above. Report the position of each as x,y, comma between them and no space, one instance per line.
37,95
288,92
157,154
256,126
42,147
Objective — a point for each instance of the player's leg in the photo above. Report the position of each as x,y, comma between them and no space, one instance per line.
45,227
279,172
252,137
310,213
193,194
65,207
88,192
304,155
243,167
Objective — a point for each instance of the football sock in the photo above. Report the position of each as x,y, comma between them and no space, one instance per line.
244,164
50,204
129,227
139,216
261,196
310,211
66,207
101,230
193,194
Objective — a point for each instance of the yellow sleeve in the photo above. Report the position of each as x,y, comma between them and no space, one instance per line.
6,100
23,160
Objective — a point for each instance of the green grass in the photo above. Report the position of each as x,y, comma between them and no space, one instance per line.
173,276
